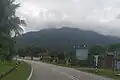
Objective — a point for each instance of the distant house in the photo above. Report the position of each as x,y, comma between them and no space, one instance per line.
107,61
110,61
44,56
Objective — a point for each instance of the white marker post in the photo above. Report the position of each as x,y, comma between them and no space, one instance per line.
96,62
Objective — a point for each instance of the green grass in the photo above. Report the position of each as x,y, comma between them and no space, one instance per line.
103,72
21,73
5,66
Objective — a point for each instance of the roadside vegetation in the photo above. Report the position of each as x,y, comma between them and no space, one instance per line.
10,27
21,73
5,66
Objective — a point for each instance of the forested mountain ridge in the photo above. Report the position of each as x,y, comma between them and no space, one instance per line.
63,38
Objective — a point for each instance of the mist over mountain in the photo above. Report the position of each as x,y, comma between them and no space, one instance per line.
63,38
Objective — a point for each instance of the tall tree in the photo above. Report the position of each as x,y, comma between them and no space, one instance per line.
95,50
9,25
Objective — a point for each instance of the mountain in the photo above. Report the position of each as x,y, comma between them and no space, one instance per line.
63,38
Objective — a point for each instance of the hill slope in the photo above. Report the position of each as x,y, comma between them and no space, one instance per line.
63,38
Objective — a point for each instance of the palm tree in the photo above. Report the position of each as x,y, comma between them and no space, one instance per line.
9,21
10,24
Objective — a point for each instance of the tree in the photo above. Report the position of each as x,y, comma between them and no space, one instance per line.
29,51
97,50
114,47
22,52
53,54
61,56
9,21
9,25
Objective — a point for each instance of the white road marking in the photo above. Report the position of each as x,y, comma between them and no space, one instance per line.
72,77
30,74
63,73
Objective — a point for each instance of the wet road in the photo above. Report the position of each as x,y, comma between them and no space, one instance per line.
44,71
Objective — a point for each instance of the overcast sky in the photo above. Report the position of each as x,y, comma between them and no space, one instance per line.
102,16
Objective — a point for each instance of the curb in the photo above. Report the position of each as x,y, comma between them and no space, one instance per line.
30,76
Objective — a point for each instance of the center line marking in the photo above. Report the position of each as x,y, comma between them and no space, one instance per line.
63,73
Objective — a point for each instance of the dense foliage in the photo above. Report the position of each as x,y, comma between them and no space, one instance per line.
97,50
9,27
114,47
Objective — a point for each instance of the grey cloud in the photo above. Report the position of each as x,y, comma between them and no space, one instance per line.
101,16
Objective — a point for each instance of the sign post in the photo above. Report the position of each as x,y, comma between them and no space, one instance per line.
115,60
96,62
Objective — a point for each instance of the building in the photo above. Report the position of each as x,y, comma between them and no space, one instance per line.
118,65
108,61
81,52
44,57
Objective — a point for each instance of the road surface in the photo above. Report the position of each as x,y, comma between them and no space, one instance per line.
44,71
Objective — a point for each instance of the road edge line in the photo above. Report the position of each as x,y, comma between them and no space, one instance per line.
30,76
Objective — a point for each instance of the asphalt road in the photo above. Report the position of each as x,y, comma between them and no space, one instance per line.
44,71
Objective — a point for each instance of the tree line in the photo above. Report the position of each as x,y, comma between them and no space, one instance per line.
93,50
36,51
